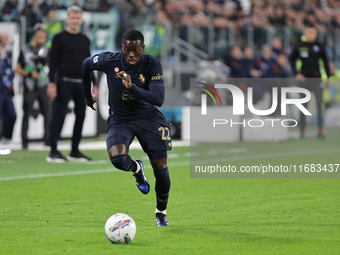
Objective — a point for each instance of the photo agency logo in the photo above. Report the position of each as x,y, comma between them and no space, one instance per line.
241,102
204,97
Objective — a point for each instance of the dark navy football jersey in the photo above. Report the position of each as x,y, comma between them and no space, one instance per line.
147,83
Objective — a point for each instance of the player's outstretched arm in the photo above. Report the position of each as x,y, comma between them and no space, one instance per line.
155,94
87,77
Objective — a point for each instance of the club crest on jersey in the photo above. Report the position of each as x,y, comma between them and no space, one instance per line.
141,78
116,69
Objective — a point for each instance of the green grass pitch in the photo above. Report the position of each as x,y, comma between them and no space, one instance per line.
62,208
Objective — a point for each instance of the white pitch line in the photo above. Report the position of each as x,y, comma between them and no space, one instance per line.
95,162
36,176
173,155
213,152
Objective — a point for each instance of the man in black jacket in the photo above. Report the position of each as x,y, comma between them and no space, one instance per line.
306,68
69,49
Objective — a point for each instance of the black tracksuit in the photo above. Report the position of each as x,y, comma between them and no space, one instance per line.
67,54
305,59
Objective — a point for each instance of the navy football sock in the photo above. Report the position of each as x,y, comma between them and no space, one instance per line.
124,162
162,188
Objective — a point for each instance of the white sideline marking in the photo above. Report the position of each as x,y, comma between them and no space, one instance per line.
36,176
173,155
94,145
190,154
213,152
237,150
170,155
95,162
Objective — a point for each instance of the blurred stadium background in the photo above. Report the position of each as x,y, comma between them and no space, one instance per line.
191,37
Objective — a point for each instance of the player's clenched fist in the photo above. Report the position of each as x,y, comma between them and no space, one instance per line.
126,79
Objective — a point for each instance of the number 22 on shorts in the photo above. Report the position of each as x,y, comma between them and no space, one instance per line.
165,133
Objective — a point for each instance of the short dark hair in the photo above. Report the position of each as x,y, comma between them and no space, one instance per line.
133,35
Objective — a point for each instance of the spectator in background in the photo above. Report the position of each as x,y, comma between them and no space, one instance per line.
249,64
251,73
33,15
32,65
221,32
277,47
281,71
142,14
125,21
156,35
266,62
44,7
7,110
200,31
280,68
279,18
52,26
6,52
10,10
55,5
234,61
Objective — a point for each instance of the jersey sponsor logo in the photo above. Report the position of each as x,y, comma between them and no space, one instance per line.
157,77
128,96
141,78
95,59
316,48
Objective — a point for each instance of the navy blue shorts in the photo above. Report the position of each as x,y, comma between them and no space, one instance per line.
152,132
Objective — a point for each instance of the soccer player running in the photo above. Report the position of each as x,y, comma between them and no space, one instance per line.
136,88
305,63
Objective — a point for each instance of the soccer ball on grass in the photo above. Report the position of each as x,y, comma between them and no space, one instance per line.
120,228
